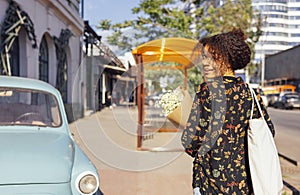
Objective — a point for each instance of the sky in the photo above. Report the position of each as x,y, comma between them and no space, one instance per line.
114,10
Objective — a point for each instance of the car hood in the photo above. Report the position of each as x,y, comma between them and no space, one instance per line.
35,157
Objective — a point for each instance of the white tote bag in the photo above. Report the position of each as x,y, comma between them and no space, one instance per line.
263,156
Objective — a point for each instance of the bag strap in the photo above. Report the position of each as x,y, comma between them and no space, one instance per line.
254,98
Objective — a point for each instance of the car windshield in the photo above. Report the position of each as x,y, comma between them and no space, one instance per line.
292,95
28,107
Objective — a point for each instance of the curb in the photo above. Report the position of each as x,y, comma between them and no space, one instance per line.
294,162
292,188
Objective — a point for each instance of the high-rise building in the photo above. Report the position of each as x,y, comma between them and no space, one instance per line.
280,26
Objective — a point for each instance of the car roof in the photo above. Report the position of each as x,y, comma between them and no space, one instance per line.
26,83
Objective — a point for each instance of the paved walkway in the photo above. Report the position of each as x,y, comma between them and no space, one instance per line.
109,139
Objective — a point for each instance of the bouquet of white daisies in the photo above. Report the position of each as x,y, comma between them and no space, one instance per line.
176,105
170,100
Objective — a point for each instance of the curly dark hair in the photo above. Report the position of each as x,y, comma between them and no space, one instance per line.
229,48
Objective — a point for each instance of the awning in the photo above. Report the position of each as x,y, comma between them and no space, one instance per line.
179,50
114,69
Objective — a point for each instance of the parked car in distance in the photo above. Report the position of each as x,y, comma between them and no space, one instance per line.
152,99
288,100
273,92
38,153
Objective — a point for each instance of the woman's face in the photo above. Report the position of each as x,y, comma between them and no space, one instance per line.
210,68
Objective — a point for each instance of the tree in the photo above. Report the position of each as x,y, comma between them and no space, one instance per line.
155,19
177,18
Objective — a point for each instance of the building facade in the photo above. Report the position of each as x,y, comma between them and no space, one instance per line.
109,79
42,39
283,68
280,26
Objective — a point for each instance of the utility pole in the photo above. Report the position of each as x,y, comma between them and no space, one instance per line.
82,8
263,69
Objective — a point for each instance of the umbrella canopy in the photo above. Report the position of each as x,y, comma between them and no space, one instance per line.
179,50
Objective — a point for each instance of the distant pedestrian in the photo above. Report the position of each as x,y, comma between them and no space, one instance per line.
216,132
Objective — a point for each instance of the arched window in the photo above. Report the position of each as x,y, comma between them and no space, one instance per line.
14,59
64,89
44,61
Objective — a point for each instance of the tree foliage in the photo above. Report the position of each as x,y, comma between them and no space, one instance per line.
173,18
155,19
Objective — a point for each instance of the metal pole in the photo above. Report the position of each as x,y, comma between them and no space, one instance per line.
263,70
82,8
140,101
185,78
103,88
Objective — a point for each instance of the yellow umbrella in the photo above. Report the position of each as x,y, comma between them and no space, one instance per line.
179,50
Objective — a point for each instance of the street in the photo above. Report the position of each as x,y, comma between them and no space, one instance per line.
287,140
286,119
286,124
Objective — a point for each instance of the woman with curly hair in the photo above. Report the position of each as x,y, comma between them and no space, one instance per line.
216,131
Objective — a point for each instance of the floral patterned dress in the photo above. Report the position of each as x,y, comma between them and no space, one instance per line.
216,136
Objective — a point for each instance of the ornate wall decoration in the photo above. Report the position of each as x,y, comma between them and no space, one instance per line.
15,18
61,44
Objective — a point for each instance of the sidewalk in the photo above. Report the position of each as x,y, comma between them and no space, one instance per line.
109,138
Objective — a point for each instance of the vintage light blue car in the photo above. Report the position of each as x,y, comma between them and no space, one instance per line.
37,153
